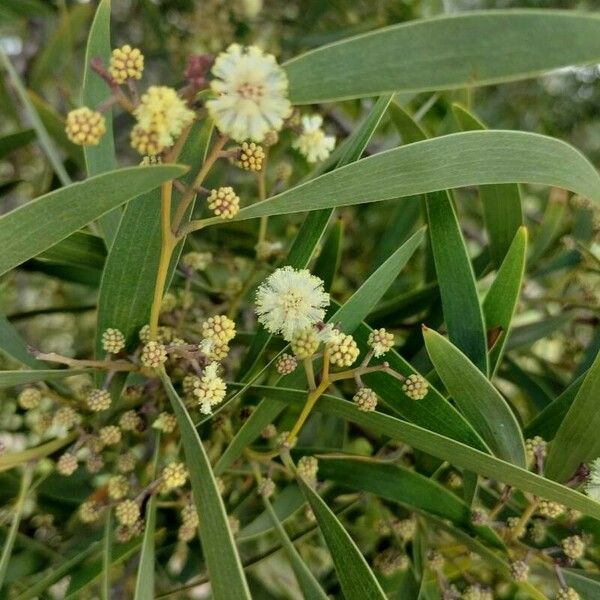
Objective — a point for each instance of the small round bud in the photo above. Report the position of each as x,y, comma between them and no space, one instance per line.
214,349
125,463
538,531
307,469
144,334
266,487
269,432
234,524
168,303
550,509
415,387
405,529
118,486
147,143
282,440
515,528
251,157
150,159
90,511
197,261
110,435
173,476
573,547
535,448
127,512
165,422
124,533
343,351
126,63
390,561
66,417
85,127
210,390
98,400
380,341
131,421
67,464
435,560
479,516
365,399
519,570
219,328
224,202
113,341
286,364
283,171
189,515
29,398
454,480
154,354
305,343
567,593
94,463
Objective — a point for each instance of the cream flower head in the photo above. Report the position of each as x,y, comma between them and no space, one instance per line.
289,301
252,93
312,143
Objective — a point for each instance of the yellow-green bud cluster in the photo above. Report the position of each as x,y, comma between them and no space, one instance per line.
219,328
67,464
343,351
405,528
515,528
165,422
391,561
98,400
305,343
224,202
94,463
435,560
567,593
66,417
266,487
118,486
126,63
154,354
125,463
573,547
127,512
286,364
535,448
131,421
29,398
168,303
124,533
110,435
251,157
173,476
381,341
307,469
365,399
269,432
197,261
519,571
550,509
90,511
85,127
415,387
113,340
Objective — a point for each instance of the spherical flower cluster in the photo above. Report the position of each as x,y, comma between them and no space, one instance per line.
124,533
165,422
567,593
343,351
224,202
415,387
67,464
126,63
476,592
312,143
391,561
98,400
251,157
307,469
118,486
161,116
173,476
113,340
380,341
286,364
197,261
94,463
190,521
269,432
266,487
66,417
210,390
515,528
29,398
154,354
405,528
214,349
550,509
127,512
365,399
573,547
519,570
90,511
592,486
535,447
251,93
85,127
110,435
125,463
305,343
435,560
290,301
131,421
219,328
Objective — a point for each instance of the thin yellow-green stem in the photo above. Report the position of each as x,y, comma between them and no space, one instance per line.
109,365
310,373
310,402
16,520
262,195
168,244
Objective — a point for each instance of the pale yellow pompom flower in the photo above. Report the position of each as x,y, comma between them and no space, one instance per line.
85,127
126,63
313,143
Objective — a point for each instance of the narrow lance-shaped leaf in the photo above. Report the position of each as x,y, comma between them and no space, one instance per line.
222,559
328,261
501,300
13,141
449,52
458,290
12,378
355,576
100,158
446,162
501,203
577,439
39,224
477,398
